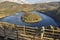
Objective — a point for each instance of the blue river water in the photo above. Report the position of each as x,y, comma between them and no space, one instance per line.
16,19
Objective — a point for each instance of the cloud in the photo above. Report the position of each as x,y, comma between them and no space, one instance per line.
30,1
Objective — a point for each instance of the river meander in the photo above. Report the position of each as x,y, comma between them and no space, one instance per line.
16,19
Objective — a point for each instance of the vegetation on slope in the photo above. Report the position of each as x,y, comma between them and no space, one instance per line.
55,14
29,17
9,8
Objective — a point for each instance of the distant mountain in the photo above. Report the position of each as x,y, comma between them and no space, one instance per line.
49,6
51,9
39,6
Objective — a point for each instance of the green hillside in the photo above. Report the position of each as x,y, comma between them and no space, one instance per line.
9,8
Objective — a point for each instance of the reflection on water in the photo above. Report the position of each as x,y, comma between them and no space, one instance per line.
16,19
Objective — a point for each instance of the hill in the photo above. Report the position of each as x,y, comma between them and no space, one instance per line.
55,14
12,7
51,9
4,6
8,8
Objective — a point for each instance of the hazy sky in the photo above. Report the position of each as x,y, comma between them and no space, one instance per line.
33,1
42,0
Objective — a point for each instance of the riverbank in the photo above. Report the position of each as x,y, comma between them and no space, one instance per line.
5,14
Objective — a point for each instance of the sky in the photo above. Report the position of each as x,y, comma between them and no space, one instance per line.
34,1
39,1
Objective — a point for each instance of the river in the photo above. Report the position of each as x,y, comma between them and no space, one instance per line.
16,19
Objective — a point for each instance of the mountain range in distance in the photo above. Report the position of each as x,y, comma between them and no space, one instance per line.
38,6
51,9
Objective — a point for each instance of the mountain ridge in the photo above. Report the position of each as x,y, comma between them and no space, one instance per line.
50,9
